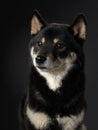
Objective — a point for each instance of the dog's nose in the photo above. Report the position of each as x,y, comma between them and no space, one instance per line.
40,59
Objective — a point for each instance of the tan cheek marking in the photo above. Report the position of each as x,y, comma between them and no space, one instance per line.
73,56
43,40
50,55
55,40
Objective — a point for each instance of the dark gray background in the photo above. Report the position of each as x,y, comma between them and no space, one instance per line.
16,16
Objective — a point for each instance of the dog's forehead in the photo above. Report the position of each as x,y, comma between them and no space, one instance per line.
54,32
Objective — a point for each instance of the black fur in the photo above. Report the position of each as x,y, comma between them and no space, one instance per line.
67,100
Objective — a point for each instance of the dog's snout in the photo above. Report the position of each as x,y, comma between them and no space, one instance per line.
40,59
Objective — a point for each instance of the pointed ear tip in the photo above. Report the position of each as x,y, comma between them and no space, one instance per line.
35,12
82,16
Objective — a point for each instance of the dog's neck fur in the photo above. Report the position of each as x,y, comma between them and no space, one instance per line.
54,78
71,88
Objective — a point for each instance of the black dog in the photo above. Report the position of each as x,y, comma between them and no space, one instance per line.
55,97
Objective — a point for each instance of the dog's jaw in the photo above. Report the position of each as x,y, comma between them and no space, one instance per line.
54,78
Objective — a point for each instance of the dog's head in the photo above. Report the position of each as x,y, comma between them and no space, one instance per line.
55,47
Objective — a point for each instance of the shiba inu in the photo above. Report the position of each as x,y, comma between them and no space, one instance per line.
55,98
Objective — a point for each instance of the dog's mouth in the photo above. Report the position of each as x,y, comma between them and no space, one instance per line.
49,65
54,68
46,67
41,67
57,65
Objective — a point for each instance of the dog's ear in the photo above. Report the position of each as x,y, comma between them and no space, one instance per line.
37,23
79,27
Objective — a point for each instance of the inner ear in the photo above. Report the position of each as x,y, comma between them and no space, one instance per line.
37,23
79,27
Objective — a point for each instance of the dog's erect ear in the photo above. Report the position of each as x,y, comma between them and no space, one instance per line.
79,27
37,23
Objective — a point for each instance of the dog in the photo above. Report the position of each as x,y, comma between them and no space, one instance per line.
55,98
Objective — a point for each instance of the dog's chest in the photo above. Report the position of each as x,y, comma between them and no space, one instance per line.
53,81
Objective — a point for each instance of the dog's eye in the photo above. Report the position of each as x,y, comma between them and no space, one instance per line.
40,44
60,46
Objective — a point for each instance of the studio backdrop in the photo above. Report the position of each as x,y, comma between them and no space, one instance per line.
16,21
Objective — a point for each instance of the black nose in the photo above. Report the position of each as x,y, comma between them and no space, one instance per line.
40,59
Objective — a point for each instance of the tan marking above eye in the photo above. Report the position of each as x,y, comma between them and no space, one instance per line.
43,40
55,40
